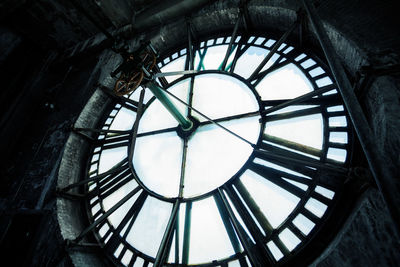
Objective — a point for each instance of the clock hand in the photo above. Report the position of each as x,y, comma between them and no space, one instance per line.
208,118
163,98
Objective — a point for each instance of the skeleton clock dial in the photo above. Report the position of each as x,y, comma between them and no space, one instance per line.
248,184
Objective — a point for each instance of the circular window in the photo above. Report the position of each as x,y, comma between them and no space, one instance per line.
251,185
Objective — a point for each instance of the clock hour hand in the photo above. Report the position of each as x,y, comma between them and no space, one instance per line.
160,94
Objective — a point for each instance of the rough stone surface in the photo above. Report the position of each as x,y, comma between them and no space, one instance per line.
367,234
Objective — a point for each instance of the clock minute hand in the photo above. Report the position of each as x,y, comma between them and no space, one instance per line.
206,117
163,98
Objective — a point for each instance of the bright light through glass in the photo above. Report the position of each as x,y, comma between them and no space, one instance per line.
213,154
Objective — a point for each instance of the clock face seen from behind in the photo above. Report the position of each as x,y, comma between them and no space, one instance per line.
255,194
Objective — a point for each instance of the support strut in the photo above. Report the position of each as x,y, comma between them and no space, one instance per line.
384,178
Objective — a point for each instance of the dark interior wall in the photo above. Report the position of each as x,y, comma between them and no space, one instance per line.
41,98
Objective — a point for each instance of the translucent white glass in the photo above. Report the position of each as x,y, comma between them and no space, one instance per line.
157,117
219,96
157,161
285,83
250,60
124,120
275,202
127,257
325,192
214,57
116,217
316,71
337,121
208,237
323,81
274,250
111,157
337,154
175,65
289,239
316,207
150,225
306,130
338,137
303,223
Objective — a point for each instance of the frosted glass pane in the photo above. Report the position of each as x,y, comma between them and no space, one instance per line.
214,57
316,71
157,117
338,137
274,250
316,207
275,202
308,63
284,83
127,257
103,230
175,65
289,239
116,217
299,185
215,155
124,120
209,239
275,166
157,161
325,192
235,263
335,108
323,82
136,95
337,154
251,59
219,96
306,130
138,262
303,223
150,225
111,157
337,121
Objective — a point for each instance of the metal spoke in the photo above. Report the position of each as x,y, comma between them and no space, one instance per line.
105,215
230,49
228,226
117,169
299,99
209,119
130,217
274,49
161,131
299,160
136,125
186,233
166,241
293,145
276,179
293,114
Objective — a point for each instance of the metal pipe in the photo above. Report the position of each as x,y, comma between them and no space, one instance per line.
163,98
386,182
164,12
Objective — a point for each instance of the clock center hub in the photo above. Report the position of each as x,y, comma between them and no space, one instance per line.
187,133
174,162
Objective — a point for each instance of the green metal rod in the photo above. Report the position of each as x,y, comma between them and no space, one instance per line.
163,98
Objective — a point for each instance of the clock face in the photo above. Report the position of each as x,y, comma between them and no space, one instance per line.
253,197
